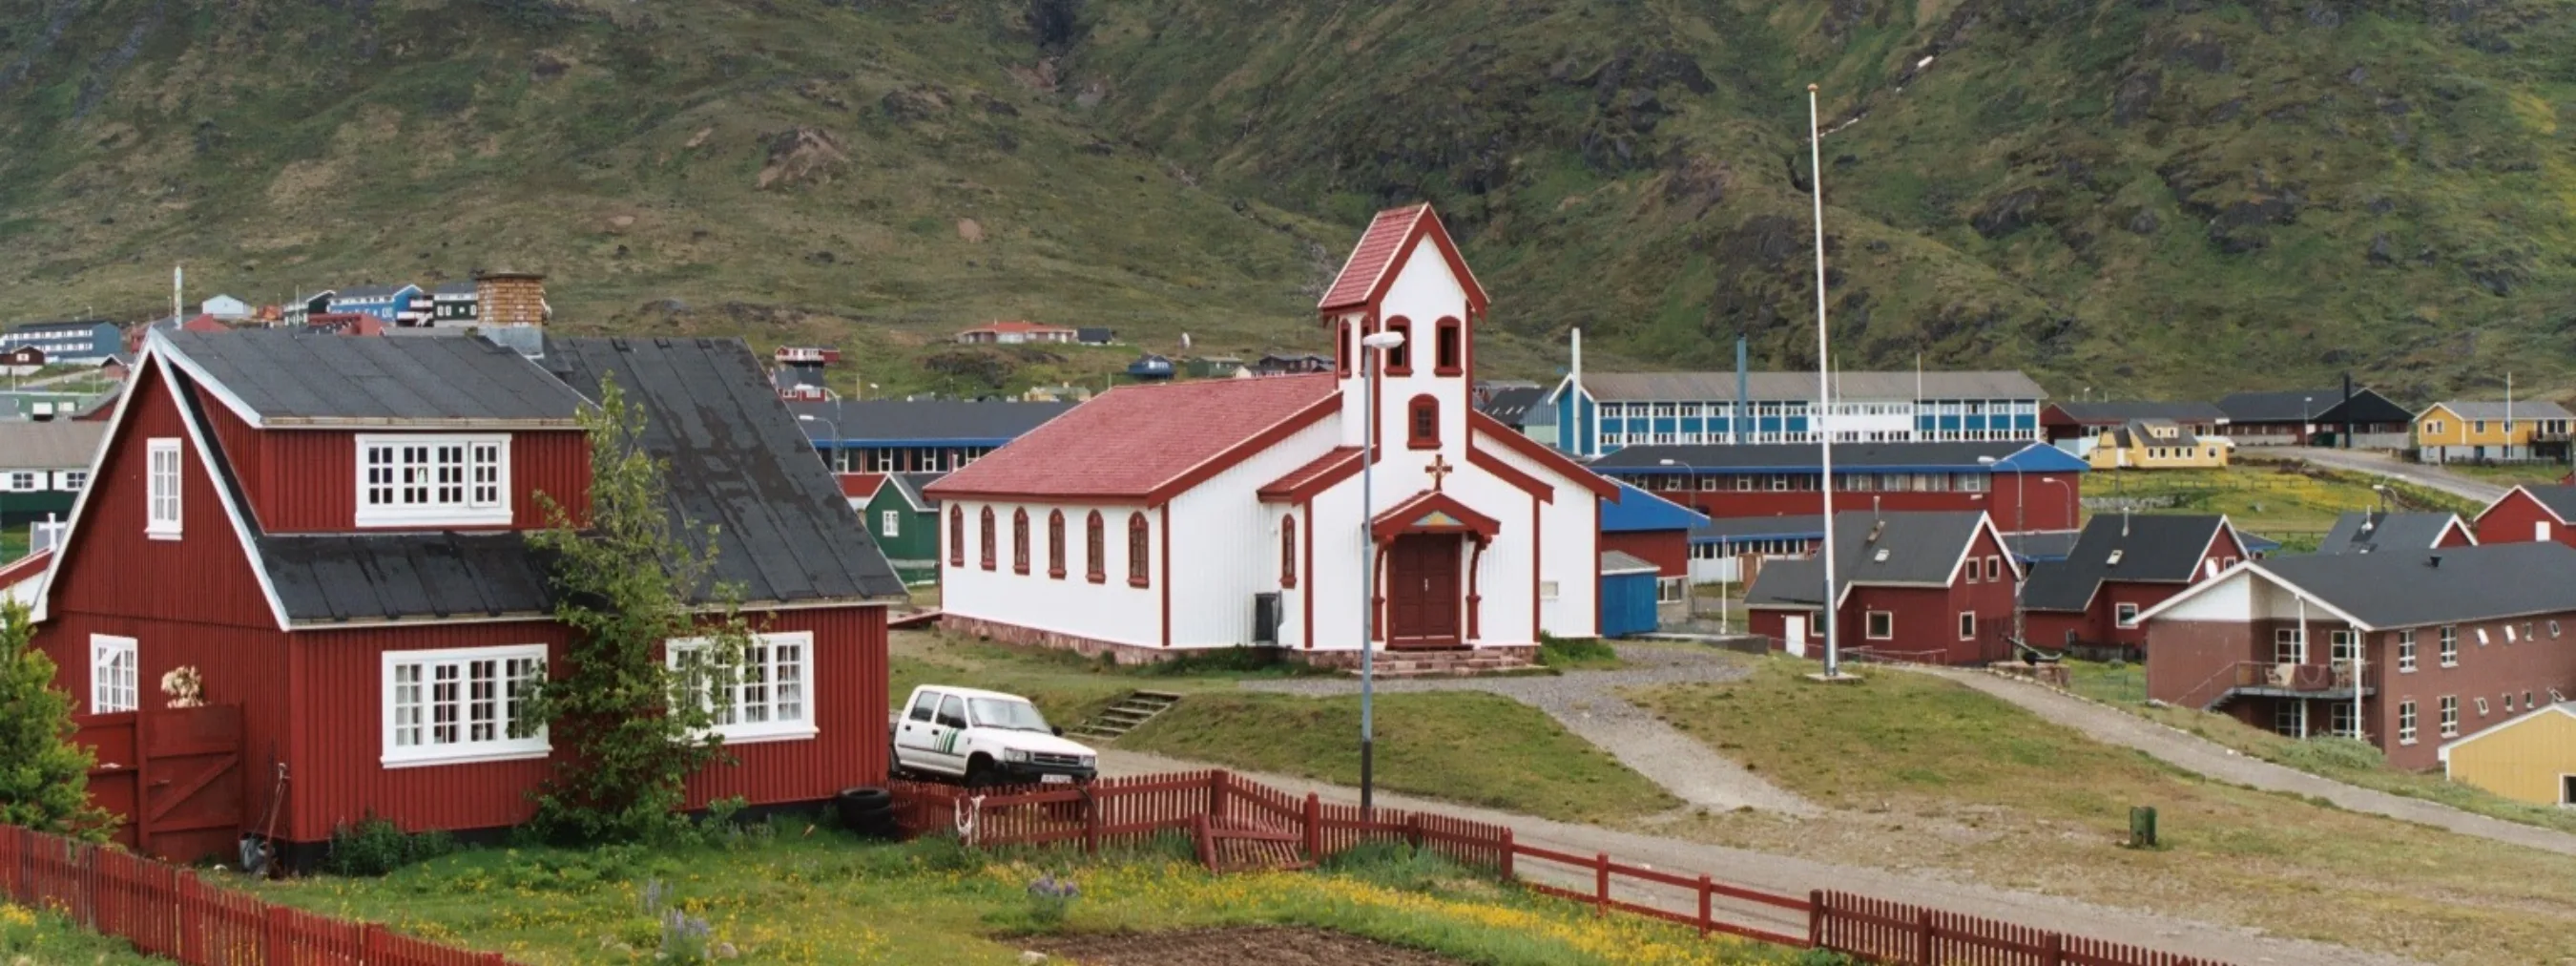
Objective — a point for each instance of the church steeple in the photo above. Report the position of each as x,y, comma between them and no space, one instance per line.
1406,276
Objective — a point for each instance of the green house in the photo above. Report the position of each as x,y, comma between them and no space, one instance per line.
905,523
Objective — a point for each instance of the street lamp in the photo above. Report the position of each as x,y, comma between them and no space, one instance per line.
2021,528
1690,594
809,435
1371,346
2305,402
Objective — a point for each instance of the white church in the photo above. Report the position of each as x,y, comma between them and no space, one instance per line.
1159,518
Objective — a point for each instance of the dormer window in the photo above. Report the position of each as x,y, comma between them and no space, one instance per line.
433,481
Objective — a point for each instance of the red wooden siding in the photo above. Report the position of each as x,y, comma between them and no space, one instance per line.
201,578
339,735
242,666
1925,619
2012,504
1668,550
306,481
2513,520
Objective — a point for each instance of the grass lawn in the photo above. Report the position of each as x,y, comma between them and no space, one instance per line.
2513,474
2280,500
1462,746
45,939
791,897
2344,761
1930,773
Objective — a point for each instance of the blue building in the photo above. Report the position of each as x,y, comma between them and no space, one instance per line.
385,302
67,342
1640,526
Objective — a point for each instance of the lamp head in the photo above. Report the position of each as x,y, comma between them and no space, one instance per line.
1666,461
805,417
1382,340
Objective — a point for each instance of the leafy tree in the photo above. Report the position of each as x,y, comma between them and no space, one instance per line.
629,579
44,776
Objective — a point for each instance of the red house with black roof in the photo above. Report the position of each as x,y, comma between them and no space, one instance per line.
1929,587
2121,566
2527,514
333,533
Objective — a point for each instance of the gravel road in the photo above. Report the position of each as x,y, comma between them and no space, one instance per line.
2380,464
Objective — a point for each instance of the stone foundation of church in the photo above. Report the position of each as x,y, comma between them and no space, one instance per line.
1481,657
1014,634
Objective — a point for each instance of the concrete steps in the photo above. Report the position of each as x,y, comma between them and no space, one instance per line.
1119,719
1446,664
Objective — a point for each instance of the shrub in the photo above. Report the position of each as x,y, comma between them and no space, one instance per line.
375,847
1560,652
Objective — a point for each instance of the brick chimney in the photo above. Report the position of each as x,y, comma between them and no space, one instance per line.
510,298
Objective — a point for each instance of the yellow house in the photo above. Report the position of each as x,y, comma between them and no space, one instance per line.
2156,444
2528,759
2463,430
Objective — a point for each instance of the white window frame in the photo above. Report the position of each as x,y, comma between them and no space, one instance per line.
890,523
163,514
2342,644
25,481
423,701
761,692
2450,716
2450,634
2406,722
1668,590
2289,645
481,486
72,481
2125,615
1870,623
2406,652
114,686
1967,625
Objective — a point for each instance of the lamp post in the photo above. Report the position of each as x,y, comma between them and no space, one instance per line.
1824,389
1690,594
809,436
1370,348
2305,402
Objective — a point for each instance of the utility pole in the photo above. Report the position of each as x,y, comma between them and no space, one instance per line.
1824,387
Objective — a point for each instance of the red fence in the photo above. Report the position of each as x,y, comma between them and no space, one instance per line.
166,911
1238,824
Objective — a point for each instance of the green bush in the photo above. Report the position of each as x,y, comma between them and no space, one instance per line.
1558,652
376,847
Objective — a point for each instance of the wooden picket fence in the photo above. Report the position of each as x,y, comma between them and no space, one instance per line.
1238,824
167,911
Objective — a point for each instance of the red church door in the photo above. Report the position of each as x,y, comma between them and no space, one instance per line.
1422,591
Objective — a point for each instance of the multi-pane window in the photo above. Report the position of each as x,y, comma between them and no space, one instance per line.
1095,534
2406,722
2405,651
1422,424
112,675
2289,645
462,705
1055,543
73,480
1670,590
2450,645
454,480
163,492
956,537
2341,719
1288,552
890,523
989,539
2450,716
762,696
1139,556
2341,645
22,482
1020,541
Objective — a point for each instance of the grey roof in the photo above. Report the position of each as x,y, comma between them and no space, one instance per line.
2152,548
2040,545
2488,582
2386,532
78,324
2107,413
1904,549
2130,433
910,484
2317,405
378,576
1616,562
1807,456
54,444
2497,409
736,459
1512,406
463,288
900,420
297,378
1808,525
2560,500
1718,386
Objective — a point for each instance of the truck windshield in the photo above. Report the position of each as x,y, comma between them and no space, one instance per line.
1014,715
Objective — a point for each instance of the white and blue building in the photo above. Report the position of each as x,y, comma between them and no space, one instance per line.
385,302
87,341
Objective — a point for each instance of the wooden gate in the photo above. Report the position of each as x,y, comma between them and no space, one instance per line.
172,775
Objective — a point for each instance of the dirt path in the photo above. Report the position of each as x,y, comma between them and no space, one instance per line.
2379,464
2192,753
1794,876
1588,704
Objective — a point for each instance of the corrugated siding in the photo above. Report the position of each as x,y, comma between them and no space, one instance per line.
243,666
2522,762
203,577
342,780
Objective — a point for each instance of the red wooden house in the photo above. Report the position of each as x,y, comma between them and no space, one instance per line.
332,532
1932,587
2121,566
2528,514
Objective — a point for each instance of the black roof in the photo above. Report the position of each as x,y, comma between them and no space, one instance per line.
1094,334
993,422
1889,548
378,576
1759,528
2317,405
371,292
737,460
286,378
1511,406
2041,545
1807,456
2487,582
2107,413
2560,500
455,288
2156,548
2363,531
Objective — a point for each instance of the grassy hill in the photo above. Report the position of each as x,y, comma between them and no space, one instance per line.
2127,195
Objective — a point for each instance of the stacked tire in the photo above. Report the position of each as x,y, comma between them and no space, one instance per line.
869,812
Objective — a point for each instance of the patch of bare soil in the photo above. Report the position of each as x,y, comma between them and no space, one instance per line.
1256,946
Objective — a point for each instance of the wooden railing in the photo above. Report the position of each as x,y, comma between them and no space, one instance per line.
167,911
1222,811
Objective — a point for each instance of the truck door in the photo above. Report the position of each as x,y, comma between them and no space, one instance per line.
916,738
949,730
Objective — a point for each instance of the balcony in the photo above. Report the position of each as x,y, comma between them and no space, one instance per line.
2270,679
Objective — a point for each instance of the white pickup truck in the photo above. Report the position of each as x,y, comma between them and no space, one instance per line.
984,738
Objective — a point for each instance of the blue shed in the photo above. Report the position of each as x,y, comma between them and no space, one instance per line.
1627,595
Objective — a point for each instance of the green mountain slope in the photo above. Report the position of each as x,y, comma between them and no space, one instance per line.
2123,195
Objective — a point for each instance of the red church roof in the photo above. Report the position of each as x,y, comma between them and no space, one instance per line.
1146,443
1381,252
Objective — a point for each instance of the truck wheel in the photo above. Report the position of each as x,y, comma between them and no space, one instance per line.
979,772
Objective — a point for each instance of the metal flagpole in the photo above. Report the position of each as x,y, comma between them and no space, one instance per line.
1368,582
1824,387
